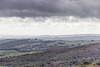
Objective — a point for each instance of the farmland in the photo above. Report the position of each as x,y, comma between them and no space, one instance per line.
14,47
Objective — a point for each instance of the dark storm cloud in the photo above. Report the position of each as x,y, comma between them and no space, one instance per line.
45,8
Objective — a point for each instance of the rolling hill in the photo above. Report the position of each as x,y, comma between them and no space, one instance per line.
63,56
14,47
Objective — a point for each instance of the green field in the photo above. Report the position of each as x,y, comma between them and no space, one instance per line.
14,47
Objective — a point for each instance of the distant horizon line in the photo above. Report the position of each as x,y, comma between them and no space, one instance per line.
46,35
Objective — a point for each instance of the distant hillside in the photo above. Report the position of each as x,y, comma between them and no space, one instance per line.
56,37
64,57
71,37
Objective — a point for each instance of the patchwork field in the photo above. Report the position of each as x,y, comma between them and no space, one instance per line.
14,47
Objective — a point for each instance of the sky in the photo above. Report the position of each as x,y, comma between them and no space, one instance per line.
49,17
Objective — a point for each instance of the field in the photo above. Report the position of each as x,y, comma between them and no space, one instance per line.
14,47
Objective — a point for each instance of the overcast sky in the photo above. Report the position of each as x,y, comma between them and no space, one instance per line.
49,17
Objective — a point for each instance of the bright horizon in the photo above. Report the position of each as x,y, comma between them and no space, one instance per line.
49,26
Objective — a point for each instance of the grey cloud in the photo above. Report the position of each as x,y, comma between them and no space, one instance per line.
45,8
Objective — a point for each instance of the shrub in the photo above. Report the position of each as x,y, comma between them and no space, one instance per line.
43,64
86,62
98,63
